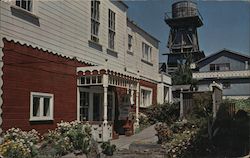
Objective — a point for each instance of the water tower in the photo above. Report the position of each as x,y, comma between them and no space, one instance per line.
183,38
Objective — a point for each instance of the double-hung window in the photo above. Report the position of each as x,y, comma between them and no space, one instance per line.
41,106
130,41
146,52
111,36
95,23
220,67
24,4
146,97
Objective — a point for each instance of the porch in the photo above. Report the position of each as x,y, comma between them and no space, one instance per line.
104,99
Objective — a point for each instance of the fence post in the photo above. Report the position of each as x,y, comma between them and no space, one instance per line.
181,104
214,103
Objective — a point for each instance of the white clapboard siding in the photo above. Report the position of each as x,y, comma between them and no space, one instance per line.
65,29
134,61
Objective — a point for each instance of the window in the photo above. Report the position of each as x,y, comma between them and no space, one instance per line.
212,67
226,85
111,36
84,106
146,52
130,40
146,97
95,14
41,106
224,67
90,104
220,67
91,80
24,4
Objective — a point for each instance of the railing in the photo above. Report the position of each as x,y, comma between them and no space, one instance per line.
222,74
169,15
97,131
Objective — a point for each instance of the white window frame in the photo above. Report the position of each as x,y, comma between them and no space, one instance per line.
26,8
146,52
95,20
32,12
150,97
111,30
41,108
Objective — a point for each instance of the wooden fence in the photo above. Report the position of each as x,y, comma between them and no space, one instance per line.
203,98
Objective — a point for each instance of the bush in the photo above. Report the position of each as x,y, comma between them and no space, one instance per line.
18,143
232,138
178,138
13,149
63,145
164,133
202,106
185,138
242,104
67,137
167,113
108,149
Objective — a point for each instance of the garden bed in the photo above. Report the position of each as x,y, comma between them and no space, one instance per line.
69,137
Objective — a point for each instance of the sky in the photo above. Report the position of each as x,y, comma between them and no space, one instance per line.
226,24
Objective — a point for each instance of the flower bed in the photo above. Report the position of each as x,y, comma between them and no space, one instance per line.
66,138
19,144
178,138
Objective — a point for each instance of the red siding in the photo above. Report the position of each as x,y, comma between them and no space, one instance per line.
154,88
28,70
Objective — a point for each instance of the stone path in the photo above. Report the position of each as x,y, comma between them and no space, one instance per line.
145,136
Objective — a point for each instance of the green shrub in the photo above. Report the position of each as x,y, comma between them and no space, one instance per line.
108,149
166,113
80,137
164,133
183,135
68,136
143,122
202,106
63,146
242,104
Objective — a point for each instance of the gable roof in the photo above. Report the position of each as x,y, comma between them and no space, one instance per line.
223,52
129,21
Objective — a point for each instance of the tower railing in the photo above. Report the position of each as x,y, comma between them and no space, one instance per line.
190,13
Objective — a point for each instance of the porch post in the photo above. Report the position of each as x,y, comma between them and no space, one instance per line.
136,124
105,109
78,103
132,97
